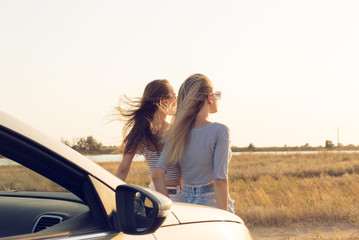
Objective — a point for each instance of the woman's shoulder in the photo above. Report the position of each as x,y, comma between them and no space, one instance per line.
220,126
221,129
214,128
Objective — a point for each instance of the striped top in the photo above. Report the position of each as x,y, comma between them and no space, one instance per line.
173,172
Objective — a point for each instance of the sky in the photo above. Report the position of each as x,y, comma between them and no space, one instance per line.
288,70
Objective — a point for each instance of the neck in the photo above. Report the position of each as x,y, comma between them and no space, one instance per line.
202,117
158,122
158,117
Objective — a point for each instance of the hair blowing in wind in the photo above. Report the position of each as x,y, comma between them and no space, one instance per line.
139,116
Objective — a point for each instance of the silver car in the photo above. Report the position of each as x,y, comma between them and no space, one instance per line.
90,203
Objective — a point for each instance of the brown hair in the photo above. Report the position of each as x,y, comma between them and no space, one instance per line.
139,115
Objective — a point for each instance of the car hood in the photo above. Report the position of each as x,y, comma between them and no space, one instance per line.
190,213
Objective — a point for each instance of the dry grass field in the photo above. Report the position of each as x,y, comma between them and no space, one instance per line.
22,179
271,191
280,190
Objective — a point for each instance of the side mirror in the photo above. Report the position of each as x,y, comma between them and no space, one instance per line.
139,210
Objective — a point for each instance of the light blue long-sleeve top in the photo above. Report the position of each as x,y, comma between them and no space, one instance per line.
207,155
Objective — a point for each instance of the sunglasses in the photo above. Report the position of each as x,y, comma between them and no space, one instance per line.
217,95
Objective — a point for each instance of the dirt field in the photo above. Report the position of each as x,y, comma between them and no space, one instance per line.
339,231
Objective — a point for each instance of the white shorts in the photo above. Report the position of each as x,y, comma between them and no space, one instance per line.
175,197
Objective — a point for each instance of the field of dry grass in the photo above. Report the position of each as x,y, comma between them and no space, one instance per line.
270,190
22,179
287,189
281,190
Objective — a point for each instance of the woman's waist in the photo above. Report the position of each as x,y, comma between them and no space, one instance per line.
193,184
174,183
174,187
198,188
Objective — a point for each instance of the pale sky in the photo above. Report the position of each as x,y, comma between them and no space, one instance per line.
288,70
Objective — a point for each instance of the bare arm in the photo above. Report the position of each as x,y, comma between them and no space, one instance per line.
124,168
221,193
158,178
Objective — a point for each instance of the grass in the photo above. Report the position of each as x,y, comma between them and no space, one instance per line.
282,190
286,189
269,189
22,179
139,173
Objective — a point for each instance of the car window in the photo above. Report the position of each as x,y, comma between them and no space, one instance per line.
15,177
42,193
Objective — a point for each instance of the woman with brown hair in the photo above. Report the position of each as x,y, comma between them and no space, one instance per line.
145,124
201,147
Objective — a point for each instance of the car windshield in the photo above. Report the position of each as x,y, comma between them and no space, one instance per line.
15,177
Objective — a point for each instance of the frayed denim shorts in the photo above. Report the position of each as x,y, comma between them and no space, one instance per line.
202,195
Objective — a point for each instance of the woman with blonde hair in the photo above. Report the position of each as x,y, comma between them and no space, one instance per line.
201,147
145,124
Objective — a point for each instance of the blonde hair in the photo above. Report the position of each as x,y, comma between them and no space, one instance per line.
191,96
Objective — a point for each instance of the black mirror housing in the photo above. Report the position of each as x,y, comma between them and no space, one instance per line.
140,211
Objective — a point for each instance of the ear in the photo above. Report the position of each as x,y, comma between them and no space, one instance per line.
164,102
209,100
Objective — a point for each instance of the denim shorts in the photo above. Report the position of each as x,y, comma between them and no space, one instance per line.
202,195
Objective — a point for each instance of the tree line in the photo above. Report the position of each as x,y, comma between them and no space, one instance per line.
89,145
329,145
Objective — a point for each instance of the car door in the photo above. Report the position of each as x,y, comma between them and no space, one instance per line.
41,186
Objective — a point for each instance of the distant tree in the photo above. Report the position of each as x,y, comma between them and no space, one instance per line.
251,147
329,144
87,144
